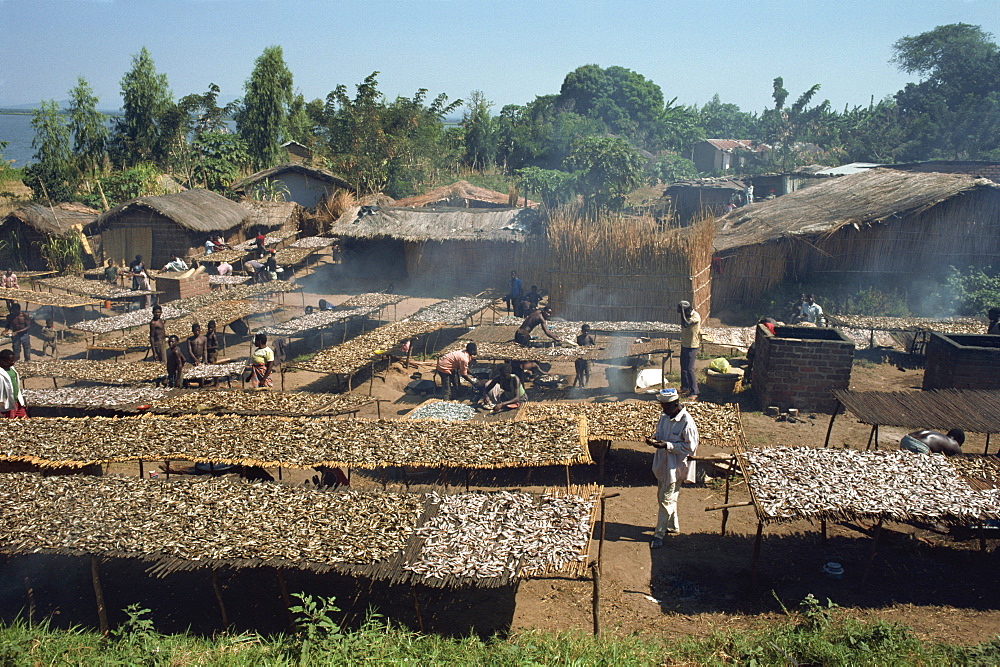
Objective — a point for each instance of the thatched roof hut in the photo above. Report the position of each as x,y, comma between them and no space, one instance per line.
461,194
156,227
271,216
878,223
27,227
477,247
306,186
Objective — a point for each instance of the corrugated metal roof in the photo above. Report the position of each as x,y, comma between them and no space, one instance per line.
845,169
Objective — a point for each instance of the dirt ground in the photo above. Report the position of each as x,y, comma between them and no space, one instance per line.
699,581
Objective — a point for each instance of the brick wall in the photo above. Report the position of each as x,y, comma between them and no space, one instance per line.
173,288
798,367
962,362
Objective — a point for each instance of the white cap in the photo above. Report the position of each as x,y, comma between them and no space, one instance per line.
668,396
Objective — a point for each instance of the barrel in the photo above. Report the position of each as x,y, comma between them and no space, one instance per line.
725,383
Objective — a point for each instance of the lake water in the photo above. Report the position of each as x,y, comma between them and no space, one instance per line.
16,130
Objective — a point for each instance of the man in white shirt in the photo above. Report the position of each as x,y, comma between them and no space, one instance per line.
676,441
812,312
11,396
175,264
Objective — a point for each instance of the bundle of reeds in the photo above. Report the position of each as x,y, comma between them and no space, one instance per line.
627,268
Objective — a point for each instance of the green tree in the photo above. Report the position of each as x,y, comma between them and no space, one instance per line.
204,111
624,100
552,186
218,159
53,175
677,128
954,111
262,120
300,125
669,168
608,168
726,121
480,132
88,126
787,128
387,147
141,180
146,100
871,134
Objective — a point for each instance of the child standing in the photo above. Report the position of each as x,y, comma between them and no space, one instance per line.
175,363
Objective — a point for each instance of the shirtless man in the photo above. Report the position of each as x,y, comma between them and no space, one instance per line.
197,346
158,335
932,442
523,334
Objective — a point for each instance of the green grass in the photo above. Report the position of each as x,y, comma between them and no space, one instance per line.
815,633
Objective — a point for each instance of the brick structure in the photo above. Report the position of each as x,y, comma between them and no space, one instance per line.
173,287
962,362
798,367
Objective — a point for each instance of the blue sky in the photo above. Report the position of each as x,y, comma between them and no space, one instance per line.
512,50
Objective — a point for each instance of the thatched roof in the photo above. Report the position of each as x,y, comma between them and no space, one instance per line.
272,214
461,194
441,224
275,172
860,199
197,210
169,185
61,222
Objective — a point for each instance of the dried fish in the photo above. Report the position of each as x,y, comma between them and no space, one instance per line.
223,312
107,372
453,311
955,325
227,280
214,371
292,256
133,318
804,483
313,242
246,402
94,397
633,421
98,289
353,355
271,238
503,534
203,519
316,320
448,411
514,351
46,298
372,299
235,293
302,442
567,328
